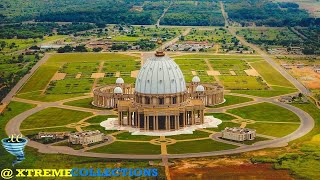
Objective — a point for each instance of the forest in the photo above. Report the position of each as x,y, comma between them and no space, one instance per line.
264,12
194,13
38,30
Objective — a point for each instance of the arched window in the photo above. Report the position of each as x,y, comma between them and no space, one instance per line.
161,100
174,100
147,100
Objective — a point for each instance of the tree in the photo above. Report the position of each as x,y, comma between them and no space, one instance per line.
97,49
80,48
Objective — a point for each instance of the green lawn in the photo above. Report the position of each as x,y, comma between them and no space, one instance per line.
53,117
100,118
265,112
275,91
128,136
86,103
230,100
37,96
242,82
129,148
88,57
40,78
222,116
269,74
198,146
273,129
194,135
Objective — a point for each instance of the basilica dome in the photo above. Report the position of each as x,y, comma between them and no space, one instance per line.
160,75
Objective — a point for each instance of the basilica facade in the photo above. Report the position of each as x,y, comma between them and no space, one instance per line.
160,98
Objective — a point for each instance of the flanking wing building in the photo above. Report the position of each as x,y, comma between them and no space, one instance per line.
160,99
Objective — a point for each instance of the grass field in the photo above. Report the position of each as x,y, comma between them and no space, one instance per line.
86,103
223,125
98,127
273,129
269,74
128,136
71,64
194,135
242,82
265,112
128,148
275,91
230,100
59,129
198,146
224,66
53,117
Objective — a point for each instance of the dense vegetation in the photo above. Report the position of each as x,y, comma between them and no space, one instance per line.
96,11
12,68
38,30
264,12
195,13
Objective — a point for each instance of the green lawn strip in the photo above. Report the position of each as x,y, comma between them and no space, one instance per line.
100,118
37,96
86,103
198,146
275,91
98,127
34,159
194,135
273,129
129,148
57,129
12,110
128,136
221,116
265,112
40,78
66,143
270,74
230,100
53,117
223,125
88,57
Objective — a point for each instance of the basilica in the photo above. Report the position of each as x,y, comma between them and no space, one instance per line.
160,100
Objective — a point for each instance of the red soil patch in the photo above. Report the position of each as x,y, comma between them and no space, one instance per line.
243,171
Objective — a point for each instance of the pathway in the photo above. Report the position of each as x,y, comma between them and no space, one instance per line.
164,13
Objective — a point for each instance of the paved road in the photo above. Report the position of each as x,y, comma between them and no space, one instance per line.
22,81
307,124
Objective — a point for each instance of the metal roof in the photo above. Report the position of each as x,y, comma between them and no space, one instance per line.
160,75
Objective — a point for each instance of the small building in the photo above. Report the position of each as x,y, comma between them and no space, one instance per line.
52,135
86,137
238,134
317,70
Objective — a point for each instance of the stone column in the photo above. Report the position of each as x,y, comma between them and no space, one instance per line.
154,122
